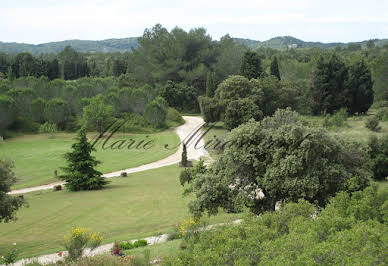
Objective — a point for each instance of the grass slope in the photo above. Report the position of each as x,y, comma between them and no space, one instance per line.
37,156
142,204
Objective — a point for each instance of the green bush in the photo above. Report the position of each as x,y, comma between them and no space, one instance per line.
140,243
351,230
382,114
126,245
48,128
372,123
337,120
174,116
10,255
378,153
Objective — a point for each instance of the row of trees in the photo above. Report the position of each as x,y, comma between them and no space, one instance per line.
27,102
258,93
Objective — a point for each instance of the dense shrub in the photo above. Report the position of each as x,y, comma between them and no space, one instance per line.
378,152
350,230
337,120
241,111
372,123
174,116
181,97
140,243
382,114
211,109
156,112
48,128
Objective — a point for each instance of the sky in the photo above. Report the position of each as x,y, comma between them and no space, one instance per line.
41,21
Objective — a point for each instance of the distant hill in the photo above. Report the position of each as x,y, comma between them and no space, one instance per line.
126,44
286,41
110,45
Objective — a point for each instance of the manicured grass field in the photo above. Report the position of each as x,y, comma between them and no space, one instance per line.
142,204
36,157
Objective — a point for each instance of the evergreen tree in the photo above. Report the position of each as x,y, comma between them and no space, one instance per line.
360,88
251,65
329,85
275,68
184,156
211,84
80,173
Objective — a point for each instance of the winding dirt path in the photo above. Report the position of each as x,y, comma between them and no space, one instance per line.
189,133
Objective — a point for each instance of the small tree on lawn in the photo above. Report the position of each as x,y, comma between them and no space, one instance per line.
8,204
80,173
184,156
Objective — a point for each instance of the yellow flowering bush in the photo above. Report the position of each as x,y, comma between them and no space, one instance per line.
80,238
185,226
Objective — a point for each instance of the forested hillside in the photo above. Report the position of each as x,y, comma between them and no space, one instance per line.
127,44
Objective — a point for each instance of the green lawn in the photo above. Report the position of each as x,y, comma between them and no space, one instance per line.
160,250
36,157
140,205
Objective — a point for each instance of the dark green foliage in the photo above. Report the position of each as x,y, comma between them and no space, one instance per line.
211,109
233,88
184,156
241,111
360,88
372,123
181,97
188,174
37,110
274,69
23,98
211,84
8,204
140,243
351,230
329,85
125,245
378,153
177,55
278,159
156,112
56,111
80,173
72,65
251,66
7,111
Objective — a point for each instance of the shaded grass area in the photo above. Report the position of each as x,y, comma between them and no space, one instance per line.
140,205
353,130
36,157
157,251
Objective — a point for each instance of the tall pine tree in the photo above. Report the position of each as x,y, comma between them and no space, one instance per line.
80,173
275,68
360,88
251,65
328,91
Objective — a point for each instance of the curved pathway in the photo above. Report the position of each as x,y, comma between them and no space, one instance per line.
189,133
